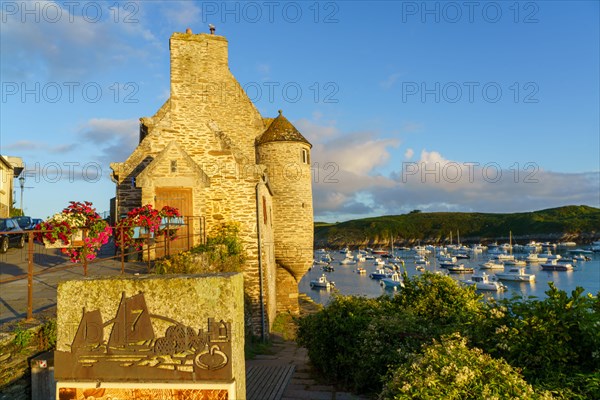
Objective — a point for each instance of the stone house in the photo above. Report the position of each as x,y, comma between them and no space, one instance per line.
6,187
209,152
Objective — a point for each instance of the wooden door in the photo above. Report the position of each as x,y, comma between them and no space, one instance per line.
181,199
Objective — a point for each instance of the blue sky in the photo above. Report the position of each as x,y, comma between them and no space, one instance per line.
438,106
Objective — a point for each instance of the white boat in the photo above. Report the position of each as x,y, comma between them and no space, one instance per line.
581,257
535,258
421,260
361,271
380,273
360,258
447,259
321,283
393,282
420,268
515,262
532,247
460,269
482,282
516,274
580,251
567,244
491,265
503,257
555,265
378,261
348,261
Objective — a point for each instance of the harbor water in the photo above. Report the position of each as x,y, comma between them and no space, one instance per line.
585,274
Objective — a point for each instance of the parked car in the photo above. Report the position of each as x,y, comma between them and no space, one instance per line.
10,234
26,223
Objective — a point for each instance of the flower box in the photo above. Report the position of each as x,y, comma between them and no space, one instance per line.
76,241
142,232
171,222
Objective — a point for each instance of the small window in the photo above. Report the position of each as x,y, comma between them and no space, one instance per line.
305,158
173,166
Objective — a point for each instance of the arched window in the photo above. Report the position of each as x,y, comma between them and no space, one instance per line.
305,157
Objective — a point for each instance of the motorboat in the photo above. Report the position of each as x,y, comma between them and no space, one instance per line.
328,268
420,268
361,271
515,262
321,283
555,265
460,269
581,257
380,273
491,265
378,261
535,258
516,274
503,257
447,259
421,260
348,261
393,282
482,282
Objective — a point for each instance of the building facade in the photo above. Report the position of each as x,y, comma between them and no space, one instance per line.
209,152
6,187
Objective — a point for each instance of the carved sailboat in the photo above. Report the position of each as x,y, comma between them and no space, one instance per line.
132,328
90,333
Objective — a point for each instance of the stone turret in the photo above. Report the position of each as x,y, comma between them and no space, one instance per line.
286,154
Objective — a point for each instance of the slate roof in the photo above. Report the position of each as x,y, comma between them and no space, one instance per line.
281,130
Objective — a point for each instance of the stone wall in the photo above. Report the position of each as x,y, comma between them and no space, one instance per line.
291,181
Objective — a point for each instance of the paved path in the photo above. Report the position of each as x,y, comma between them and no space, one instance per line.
50,267
302,385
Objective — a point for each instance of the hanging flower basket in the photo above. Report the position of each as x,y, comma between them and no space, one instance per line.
65,231
142,232
145,223
76,240
171,223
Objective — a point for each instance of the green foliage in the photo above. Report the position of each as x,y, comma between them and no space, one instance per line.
448,369
47,335
223,252
555,342
333,338
23,337
285,324
548,339
421,225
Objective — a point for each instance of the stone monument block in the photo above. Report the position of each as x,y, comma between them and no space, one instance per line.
151,337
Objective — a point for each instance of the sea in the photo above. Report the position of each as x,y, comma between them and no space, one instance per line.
585,274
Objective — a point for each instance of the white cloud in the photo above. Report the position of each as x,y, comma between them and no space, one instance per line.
114,139
69,42
347,183
181,13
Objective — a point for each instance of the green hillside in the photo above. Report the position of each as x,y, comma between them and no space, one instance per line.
579,223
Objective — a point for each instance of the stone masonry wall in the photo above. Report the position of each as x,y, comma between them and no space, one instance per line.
291,182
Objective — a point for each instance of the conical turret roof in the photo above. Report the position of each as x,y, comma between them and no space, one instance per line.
281,130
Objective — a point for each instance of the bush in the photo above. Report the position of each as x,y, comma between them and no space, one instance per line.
223,252
448,369
333,337
552,340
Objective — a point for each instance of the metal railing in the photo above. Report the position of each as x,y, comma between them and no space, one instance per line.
194,234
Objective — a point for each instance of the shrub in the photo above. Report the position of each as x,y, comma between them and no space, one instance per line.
333,337
223,252
448,369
